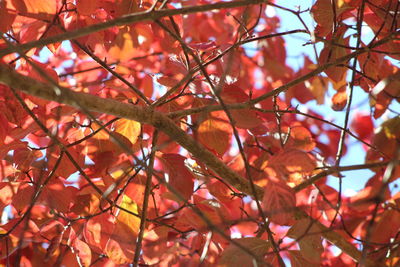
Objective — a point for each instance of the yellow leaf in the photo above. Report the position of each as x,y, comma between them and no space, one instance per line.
121,246
215,134
128,128
128,218
125,45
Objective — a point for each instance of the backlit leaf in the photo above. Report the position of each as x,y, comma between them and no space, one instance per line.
179,177
244,118
234,256
98,231
322,12
36,8
309,239
362,125
339,100
125,45
83,252
292,162
128,128
279,202
215,133
121,246
210,209
330,53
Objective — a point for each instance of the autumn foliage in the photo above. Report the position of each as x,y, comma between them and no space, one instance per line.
176,133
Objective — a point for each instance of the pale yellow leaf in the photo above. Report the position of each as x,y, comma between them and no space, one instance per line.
128,128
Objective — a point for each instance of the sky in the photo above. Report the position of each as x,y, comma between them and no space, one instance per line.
353,180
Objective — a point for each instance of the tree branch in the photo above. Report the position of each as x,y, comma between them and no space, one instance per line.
161,122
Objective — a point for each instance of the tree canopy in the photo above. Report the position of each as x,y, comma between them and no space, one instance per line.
177,133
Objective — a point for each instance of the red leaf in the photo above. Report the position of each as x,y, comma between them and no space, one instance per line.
180,178
244,118
211,209
279,202
7,13
98,230
297,259
86,8
331,53
363,125
58,196
385,227
234,256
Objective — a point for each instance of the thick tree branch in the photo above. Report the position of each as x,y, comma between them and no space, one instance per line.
129,111
161,122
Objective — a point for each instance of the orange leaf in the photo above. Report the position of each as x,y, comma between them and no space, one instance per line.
385,139
6,194
292,162
386,226
234,256
43,10
83,252
125,45
318,87
331,53
98,230
322,13
301,138
211,209
215,134
121,246
309,239
279,201
339,100
128,128
220,191
85,7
